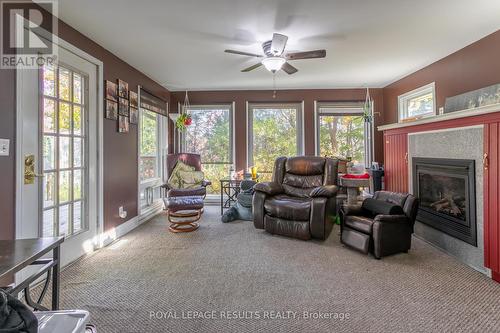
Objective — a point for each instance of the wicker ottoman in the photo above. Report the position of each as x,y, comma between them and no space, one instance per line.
184,212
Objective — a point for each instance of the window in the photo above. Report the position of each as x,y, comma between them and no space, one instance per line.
211,136
149,160
342,132
64,152
273,130
418,103
152,141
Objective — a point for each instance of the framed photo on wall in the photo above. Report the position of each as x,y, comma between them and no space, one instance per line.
123,108
134,99
122,89
134,116
111,109
123,124
111,91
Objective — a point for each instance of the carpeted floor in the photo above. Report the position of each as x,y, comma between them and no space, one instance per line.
239,279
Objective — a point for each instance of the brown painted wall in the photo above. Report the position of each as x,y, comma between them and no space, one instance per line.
473,67
120,150
240,97
7,163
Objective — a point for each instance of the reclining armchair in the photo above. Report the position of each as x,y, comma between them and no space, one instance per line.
300,201
382,225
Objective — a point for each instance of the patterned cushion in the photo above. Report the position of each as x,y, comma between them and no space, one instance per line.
175,180
191,179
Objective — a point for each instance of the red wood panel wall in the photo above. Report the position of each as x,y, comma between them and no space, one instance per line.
491,197
396,162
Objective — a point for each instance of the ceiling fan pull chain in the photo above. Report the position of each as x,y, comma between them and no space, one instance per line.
274,85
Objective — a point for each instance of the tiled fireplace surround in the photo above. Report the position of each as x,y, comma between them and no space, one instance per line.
455,143
468,134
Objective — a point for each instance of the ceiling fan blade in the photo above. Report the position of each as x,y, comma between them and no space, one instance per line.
251,68
243,53
278,44
306,55
289,69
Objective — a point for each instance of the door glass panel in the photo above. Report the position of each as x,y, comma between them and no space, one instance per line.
48,223
77,216
64,219
49,189
64,84
64,143
64,118
49,79
77,120
64,186
49,152
77,88
49,115
64,152
77,152
77,184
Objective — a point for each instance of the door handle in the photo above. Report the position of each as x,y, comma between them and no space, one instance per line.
485,161
29,169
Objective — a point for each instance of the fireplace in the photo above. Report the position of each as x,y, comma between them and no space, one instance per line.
447,192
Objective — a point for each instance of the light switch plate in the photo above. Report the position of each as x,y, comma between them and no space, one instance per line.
4,147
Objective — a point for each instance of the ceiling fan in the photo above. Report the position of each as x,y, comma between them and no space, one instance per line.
274,57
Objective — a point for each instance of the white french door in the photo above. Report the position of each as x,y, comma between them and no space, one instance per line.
58,113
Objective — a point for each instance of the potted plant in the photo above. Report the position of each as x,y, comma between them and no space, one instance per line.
183,121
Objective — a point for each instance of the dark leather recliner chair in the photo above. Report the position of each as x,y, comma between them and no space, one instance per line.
382,225
300,201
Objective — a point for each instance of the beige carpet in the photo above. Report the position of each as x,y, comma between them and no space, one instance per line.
156,281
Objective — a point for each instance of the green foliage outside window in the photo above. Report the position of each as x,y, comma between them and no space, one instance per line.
274,134
342,136
209,135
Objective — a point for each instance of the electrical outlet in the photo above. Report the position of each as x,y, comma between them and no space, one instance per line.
121,212
4,147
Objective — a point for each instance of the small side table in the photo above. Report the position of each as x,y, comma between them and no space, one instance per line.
230,188
353,185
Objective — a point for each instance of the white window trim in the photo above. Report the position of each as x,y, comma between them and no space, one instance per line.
299,106
344,108
162,149
402,100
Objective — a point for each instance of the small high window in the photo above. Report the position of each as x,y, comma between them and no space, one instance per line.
418,103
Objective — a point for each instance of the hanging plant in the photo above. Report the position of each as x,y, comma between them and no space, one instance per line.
367,108
183,121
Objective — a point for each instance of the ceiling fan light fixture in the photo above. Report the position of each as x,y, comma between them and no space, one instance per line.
273,64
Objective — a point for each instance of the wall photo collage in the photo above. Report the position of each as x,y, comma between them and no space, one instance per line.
121,104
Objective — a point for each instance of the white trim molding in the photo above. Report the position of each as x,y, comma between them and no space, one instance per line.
447,116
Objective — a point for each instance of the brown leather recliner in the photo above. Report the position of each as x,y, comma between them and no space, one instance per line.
300,200
382,225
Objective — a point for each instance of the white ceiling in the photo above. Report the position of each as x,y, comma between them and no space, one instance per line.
180,43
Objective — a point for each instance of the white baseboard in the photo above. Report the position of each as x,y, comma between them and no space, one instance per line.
110,236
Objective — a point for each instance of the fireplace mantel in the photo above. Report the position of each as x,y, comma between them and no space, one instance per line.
483,110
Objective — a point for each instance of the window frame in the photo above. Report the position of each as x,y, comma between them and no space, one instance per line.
344,109
143,185
232,143
415,93
158,148
251,106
